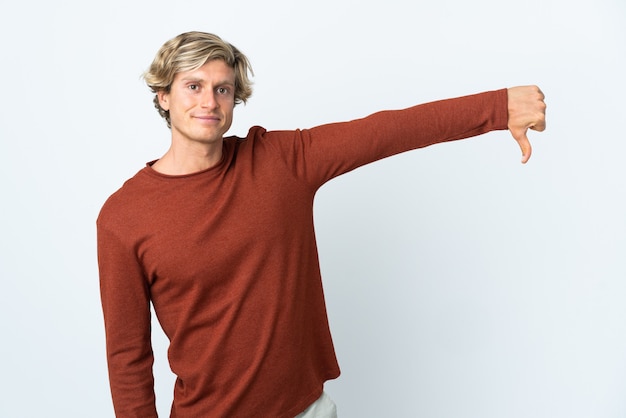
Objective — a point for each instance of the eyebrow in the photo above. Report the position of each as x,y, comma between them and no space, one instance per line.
201,80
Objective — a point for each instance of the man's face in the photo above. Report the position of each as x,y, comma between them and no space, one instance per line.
201,103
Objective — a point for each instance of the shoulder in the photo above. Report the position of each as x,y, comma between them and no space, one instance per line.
127,199
260,142
254,133
259,133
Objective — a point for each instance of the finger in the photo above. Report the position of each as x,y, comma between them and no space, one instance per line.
540,125
524,145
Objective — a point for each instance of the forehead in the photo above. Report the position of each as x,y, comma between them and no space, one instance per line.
214,71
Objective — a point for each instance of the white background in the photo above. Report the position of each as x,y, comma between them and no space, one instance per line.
459,282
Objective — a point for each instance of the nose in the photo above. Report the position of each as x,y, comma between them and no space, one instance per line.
209,100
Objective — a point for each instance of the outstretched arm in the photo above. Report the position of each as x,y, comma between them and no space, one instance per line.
527,110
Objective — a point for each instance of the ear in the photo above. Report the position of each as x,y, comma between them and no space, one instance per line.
164,99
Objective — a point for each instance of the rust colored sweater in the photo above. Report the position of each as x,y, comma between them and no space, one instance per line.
228,258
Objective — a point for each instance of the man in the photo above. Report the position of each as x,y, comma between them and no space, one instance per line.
218,235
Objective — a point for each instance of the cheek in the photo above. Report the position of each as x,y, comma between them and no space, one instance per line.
229,108
230,116
182,105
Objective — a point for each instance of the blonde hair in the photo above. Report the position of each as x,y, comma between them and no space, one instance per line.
190,51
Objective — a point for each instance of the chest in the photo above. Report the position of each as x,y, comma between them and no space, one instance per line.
208,234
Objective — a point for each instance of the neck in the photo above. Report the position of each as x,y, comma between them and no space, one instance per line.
188,159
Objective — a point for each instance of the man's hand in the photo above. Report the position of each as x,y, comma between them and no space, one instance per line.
527,110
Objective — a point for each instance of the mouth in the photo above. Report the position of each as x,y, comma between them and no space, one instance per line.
208,118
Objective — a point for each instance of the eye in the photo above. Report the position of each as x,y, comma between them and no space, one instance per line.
222,90
193,87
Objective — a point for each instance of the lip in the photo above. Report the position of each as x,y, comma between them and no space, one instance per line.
207,117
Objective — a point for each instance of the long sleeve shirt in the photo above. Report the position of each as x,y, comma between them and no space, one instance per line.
228,258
